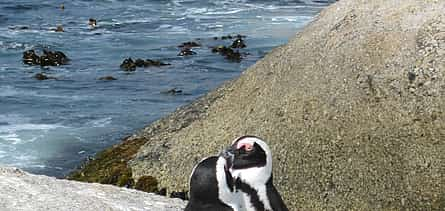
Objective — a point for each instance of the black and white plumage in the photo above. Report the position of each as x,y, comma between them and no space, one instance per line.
251,169
211,187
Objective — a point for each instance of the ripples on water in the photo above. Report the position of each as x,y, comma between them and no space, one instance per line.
49,126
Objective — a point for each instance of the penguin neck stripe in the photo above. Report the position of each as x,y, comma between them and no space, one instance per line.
253,194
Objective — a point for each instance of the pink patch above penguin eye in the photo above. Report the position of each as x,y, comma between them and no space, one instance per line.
247,146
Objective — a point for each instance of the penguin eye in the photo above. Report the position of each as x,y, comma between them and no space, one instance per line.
243,147
248,147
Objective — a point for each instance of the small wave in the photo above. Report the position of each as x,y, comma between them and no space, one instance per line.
100,122
11,138
290,18
8,119
3,18
17,123
12,128
10,91
172,29
229,12
134,21
27,162
26,7
209,13
14,45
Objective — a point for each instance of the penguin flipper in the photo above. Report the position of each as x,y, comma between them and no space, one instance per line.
275,200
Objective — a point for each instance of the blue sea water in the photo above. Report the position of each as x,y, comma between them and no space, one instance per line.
49,127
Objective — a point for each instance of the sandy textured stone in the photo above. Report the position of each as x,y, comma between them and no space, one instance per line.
353,108
24,191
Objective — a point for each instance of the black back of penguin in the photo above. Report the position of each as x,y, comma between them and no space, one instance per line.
274,197
204,188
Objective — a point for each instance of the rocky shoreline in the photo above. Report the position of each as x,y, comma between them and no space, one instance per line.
352,108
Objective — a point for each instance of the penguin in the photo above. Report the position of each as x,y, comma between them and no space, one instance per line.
211,187
251,169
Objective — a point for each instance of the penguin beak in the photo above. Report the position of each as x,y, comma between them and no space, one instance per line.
229,155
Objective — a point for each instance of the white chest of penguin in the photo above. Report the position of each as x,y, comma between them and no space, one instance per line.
249,206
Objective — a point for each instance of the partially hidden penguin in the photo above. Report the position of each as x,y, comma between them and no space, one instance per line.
250,164
211,187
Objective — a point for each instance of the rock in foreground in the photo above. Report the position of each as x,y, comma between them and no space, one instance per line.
24,191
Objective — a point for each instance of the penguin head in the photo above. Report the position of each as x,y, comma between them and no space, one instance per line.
250,159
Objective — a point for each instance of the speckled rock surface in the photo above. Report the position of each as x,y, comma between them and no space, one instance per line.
353,108
24,191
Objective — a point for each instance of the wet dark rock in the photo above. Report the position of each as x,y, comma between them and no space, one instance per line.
234,56
139,62
173,91
53,58
107,78
189,45
48,58
179,194
186,52
228,53
149,63
59,29
238,43
41,77
162,191
130,65
228,37
240,36
19,28
155,63
30,57
92,22
220,49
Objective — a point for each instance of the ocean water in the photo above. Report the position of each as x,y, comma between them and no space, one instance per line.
49,127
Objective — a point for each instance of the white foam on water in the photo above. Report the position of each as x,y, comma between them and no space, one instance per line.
224,12
172,29
14,46
285,18
16,126
10,128
12,138
13,118
123,21
100,122
2,154
20,160
9,91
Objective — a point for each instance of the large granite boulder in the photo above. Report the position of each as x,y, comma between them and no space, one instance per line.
24,191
